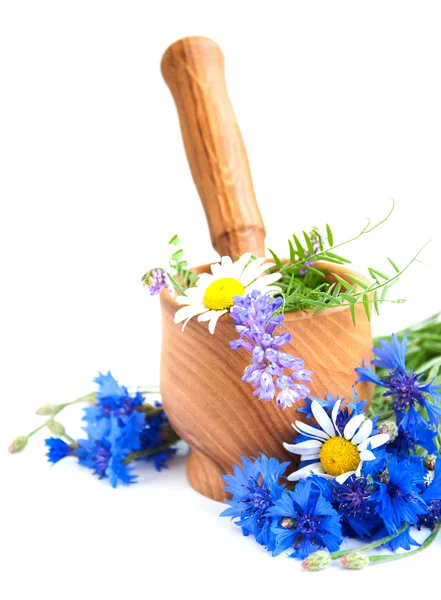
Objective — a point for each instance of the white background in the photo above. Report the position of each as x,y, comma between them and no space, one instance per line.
339,106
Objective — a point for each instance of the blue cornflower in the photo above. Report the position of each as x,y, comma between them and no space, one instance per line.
404,443
256,320
105,461
305,522
112,399
353,501
58,449
397,494
152,436
432,497
255,488
404,387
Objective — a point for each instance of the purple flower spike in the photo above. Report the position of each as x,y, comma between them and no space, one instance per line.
256,320
156,280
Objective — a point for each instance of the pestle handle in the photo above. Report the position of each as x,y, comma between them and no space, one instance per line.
193,69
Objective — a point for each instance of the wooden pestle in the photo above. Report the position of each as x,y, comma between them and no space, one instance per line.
193,69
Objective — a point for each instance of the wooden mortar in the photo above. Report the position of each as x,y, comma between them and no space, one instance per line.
204,396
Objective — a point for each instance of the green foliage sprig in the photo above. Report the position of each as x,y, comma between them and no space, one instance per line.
179,266
306,285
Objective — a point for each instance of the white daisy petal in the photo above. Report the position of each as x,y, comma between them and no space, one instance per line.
322,418
206,316
375,441
187,312
352,425
334,415
216,269
239,267
358,471
252,271
305,471
367,455
270,290
263,282
363,433
342,478
193,294
310,431
302,446
214,319
306,454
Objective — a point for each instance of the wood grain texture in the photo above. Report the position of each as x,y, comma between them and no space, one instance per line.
216,413
193,69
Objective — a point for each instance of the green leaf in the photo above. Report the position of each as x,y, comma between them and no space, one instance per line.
292,256
336,290
357,281
309,244
300,250
317,271
177,255
329,235
341,281
397,269
277,260
384,292
374,272
349,298
354,318
174,240
367,308
338,257
376,303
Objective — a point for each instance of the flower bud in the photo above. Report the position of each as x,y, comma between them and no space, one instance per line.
429,462
390,428
385,476
287,523
317,561
355,560
47,409
55,427
18,444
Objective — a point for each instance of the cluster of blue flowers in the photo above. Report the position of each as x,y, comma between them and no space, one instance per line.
119,428
400,488
256,321
408,393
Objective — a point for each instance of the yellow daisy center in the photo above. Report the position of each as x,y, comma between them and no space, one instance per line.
339,456
219,294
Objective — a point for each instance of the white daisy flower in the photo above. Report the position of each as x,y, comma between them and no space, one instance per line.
337,455
213,294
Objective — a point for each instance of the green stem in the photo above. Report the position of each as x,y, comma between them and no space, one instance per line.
176,285
86,398
36,430
375,544
378,558
70,440
142,453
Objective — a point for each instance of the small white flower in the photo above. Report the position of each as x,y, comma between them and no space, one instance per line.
337,455
213,294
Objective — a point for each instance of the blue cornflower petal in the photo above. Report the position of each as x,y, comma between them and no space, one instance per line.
398,495
254,488
108,386
391,355
58,449
305,521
